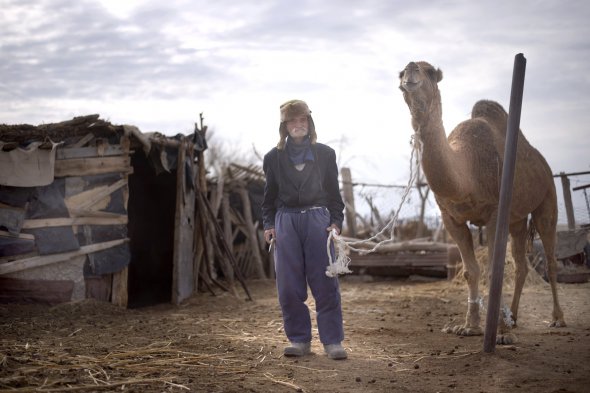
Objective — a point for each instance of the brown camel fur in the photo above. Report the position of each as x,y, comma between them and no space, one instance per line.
464,173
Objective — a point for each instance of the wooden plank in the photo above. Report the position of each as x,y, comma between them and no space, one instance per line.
74,201
102,194
92,166
29,263
99,287
413,246
120,282
13,290
87,138
26,236
121,219
88,152
125,144
120,293
10,258
92,213
88,198
434,259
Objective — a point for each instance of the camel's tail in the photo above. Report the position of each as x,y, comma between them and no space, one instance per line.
531,231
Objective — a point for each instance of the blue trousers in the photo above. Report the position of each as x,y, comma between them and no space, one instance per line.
301,258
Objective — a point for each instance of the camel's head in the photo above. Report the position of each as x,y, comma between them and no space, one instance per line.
418,82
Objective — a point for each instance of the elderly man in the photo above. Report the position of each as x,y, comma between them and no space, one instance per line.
302,204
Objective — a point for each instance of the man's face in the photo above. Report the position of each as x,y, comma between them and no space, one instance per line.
298,127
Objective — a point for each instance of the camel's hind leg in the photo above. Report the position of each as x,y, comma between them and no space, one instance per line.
545,221
518,232
504,334
460,233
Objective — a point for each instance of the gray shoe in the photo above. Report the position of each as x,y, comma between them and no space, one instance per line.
298,349
335,351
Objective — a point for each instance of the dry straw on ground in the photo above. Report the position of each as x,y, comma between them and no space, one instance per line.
481,254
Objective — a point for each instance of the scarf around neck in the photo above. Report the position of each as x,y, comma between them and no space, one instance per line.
299,153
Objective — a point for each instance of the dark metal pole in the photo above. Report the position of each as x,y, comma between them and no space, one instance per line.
499,252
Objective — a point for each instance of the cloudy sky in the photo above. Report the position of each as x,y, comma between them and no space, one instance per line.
158,64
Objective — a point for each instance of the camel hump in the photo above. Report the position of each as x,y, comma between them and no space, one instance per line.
492,112
489,109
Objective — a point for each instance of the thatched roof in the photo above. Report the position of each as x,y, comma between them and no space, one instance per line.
75,128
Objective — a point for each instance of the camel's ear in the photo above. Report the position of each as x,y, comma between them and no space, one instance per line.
435,74
401,74
439,75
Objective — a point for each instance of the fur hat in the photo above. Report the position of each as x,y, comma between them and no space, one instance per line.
290,110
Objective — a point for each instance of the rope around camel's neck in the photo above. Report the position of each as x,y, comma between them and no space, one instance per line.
415,159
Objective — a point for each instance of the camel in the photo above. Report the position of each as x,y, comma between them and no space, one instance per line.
464,173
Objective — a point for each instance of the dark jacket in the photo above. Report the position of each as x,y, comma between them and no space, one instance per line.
316,185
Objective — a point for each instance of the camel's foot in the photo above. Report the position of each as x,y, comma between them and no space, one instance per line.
505,339
558,323
463,330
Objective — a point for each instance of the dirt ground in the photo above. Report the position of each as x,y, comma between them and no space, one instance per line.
225,344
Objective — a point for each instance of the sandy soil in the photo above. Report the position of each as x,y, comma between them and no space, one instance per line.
225,344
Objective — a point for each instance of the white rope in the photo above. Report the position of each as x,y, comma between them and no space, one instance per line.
507,316
340,266
478,301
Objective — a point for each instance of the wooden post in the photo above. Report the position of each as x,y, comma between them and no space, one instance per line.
348,194
182,274
567,199
499,252
421,226
252,237
201,250
119,289
225,213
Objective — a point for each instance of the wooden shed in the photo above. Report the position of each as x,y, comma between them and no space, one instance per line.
94,210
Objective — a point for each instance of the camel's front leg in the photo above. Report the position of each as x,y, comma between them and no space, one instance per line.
460,233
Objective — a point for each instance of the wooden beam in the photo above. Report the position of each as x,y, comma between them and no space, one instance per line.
121,219
42,260
92,166
136,133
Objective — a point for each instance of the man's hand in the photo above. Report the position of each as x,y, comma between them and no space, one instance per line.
269,234
333,226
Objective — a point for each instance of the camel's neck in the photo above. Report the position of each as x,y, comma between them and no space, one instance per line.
437,156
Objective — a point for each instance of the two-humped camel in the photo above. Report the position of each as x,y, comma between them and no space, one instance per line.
464,173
